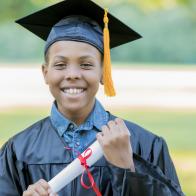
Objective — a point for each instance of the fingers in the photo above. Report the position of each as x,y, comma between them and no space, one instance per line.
29,192
122,126
100,138
40,188
112,132
115,126
44,184
115,142
105,130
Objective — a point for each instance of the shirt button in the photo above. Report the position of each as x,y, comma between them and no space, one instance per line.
71,126
77,143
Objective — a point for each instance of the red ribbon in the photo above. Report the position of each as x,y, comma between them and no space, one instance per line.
87,154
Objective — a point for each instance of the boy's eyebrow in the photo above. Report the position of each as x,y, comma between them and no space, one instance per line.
86,57
60,58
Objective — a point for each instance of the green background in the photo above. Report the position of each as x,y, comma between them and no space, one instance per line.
168,28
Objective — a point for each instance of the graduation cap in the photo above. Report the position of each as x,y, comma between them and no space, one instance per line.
84,21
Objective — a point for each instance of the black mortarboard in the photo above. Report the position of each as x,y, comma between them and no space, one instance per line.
80,20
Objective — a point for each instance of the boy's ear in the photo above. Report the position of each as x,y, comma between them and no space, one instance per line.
101,81
45,72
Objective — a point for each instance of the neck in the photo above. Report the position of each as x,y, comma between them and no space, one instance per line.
78,116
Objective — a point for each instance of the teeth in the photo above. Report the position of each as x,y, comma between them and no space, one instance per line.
73,90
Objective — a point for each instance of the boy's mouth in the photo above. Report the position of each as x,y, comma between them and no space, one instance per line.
73,91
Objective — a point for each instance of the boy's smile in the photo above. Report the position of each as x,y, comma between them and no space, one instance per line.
73,73
73,91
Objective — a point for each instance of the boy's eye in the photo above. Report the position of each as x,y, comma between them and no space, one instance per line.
60,66
86,65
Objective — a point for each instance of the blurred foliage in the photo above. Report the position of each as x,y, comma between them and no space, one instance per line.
168,28
150,5
16,8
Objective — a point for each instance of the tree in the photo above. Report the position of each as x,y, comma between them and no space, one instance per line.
13,9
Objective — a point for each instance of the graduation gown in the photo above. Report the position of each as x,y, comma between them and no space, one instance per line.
38,152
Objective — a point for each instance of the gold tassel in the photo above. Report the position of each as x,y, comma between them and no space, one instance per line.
107,77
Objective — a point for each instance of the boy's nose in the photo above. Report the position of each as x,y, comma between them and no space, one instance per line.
72,72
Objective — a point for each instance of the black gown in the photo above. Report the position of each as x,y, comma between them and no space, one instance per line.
38,152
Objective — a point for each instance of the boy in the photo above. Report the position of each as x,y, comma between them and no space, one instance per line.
135,162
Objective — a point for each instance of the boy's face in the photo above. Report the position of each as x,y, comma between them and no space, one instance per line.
73,73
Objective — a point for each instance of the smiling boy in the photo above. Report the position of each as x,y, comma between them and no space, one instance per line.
73,72
135,162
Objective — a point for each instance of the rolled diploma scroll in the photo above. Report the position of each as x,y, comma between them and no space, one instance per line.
74,169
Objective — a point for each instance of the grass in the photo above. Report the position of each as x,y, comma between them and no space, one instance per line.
177,127
15,120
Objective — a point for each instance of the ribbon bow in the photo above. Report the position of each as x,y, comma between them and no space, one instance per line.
87,154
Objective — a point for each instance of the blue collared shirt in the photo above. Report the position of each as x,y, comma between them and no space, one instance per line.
78,138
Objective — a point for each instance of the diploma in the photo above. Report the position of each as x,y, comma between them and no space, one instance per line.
74,169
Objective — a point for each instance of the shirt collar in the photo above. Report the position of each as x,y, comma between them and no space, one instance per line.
58,120
97,118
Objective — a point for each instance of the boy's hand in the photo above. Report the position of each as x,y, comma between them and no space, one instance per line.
116,145
40,188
